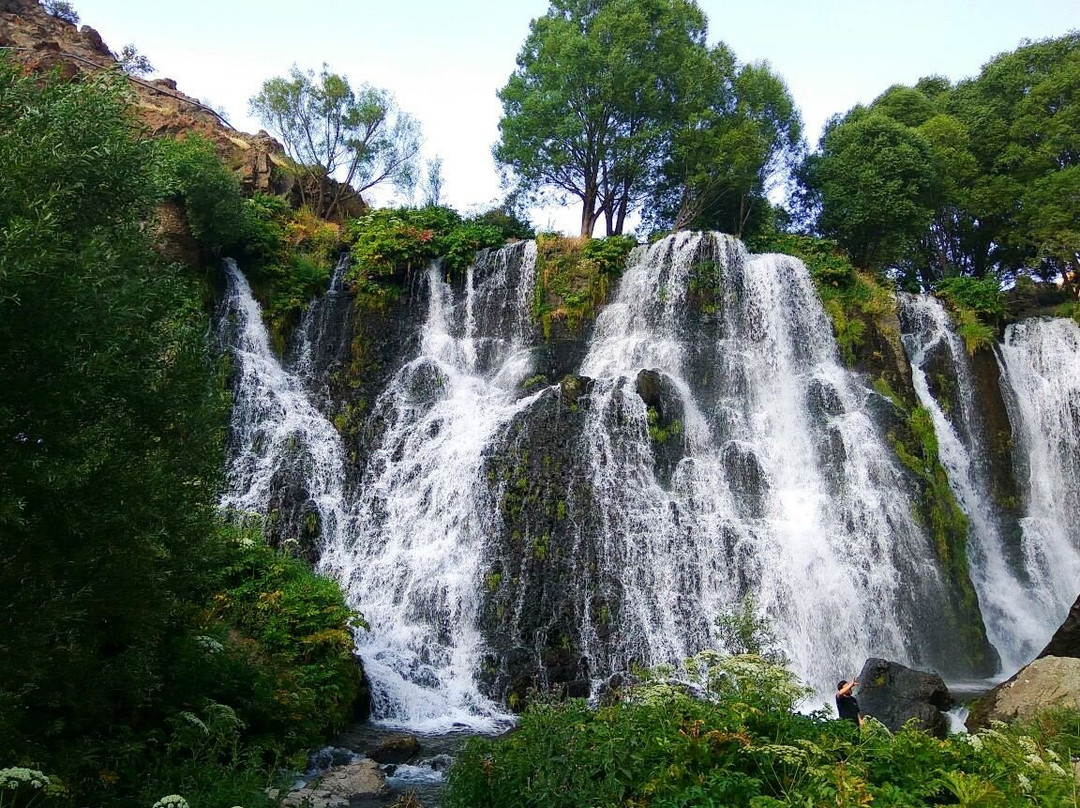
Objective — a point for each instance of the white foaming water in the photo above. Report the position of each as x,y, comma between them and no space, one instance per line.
1019,617
1040,359
787,489
413,561
275,429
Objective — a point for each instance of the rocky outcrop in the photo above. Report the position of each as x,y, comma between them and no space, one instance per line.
41,43
396,749
338,787
1047,682
895,694
1066,640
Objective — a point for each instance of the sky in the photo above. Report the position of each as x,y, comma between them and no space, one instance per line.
445,60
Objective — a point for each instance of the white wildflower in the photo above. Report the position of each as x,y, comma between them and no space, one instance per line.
1036,761
1056,768
171,801
208,644
1025,783
1028,745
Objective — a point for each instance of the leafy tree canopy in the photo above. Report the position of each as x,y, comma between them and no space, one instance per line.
981,178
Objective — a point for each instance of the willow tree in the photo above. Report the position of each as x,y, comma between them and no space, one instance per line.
599,84
357,136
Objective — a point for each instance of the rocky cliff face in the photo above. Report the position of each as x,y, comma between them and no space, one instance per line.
41,42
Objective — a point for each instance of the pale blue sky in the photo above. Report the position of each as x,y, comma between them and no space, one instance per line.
445,60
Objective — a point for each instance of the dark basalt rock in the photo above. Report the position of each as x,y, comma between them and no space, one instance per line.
1066,640
895,694
538,560
666,425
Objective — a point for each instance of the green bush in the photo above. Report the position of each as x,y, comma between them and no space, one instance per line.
979,307
393,242
191,171
122,673
745,745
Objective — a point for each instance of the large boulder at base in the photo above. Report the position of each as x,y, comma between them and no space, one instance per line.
361,780
1047,682
396,749
1066,640
895,694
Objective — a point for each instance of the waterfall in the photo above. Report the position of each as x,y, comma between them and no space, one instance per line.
786,488
1019,616
325,330
413,561
276,433
1040,358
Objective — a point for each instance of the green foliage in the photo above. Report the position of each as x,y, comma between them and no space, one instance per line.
392,242
113,407
191,172
981,178
574,277
874,179
741,130
744,630
288,256
746,746
331,128
590,109
286,664
133,62
979,307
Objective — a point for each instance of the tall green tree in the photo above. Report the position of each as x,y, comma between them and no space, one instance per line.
111,419
873,179
588,113
358,136
739,133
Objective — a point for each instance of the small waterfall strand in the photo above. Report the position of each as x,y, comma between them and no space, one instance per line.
1018,618
275,430
1040,359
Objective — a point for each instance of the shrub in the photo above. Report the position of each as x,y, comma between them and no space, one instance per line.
745,745
191,171
390,243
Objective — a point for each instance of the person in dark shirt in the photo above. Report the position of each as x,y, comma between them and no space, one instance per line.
846,704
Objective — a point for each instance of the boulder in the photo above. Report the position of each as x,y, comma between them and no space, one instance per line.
396,749
895,694
361,780
1066,640
1047,682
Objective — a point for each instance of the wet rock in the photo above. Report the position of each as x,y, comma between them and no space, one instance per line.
895,694
748,481
396,749
1047,682
1066,640
361,780
666,416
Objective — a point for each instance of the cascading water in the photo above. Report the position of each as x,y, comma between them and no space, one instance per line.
413,559
1019,610
275,432
786,489
324,334
1040,359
